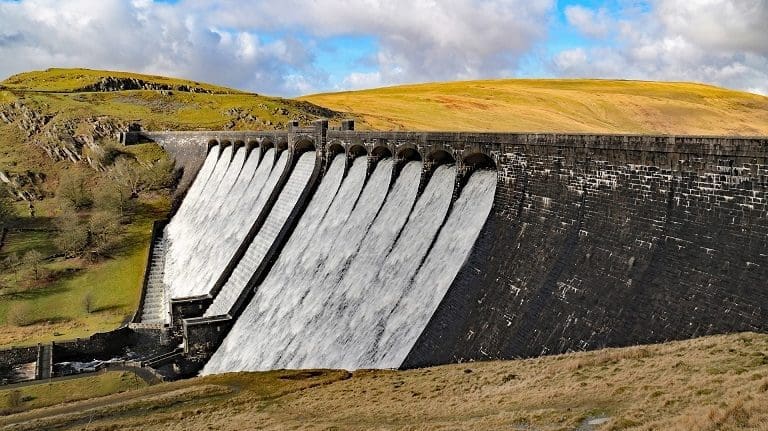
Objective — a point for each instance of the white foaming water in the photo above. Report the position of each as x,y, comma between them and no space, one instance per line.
293,312
232,355
194,193
418,303
196,259
264,239
186,230
234,229
357,344
235,219
309,265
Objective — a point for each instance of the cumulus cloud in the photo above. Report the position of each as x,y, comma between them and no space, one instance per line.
714,41
224,41
418,39
146,37
593,23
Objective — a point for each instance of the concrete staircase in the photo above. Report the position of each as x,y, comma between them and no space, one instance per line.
155,309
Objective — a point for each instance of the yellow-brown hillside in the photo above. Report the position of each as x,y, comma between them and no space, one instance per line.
556,105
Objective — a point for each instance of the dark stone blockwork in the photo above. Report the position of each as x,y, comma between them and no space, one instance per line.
593,240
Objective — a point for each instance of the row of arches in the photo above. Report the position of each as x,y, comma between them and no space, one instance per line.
474,160
265,144
407,152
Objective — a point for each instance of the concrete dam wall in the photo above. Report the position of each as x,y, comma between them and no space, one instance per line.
400,249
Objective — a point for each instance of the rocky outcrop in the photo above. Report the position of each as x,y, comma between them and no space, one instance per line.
61,137
110,83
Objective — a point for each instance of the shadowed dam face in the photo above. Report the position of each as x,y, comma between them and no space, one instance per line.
400,249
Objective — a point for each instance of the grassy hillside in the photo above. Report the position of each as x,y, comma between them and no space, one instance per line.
710,383
63,122
75,80
556,105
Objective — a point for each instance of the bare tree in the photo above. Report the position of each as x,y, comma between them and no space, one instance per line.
130,174
88,302
103,227
33,259
114,198
73,234
72,189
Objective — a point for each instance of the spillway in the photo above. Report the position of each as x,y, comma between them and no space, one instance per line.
183,234
196,263
372,282
198,280
398,332
194,193
264,239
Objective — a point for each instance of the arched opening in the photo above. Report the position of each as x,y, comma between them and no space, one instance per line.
212,143
334,149
225,143
356,151
266,144
479,161
409,154
440,157
381,152
303,146
250,146
282,146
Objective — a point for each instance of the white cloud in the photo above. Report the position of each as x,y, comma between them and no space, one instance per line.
220,41
418,40
593,23
715,41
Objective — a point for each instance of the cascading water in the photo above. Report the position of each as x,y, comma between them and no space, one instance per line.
292,302
185,233
308,265
220,201
264,239
401,329
199,280
305,234
194,194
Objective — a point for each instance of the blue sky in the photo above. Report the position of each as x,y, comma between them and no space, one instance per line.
294,47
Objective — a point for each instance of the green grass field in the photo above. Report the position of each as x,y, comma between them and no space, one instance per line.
72,80
66,391
56,308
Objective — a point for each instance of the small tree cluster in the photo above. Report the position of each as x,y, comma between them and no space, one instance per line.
78,234
131,175
20,314
73,190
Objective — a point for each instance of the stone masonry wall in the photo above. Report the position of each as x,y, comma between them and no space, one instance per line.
601,241
597,240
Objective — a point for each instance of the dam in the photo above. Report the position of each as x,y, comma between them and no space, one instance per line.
314,247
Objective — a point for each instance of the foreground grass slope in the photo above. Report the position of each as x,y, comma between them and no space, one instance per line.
556,105
718,382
